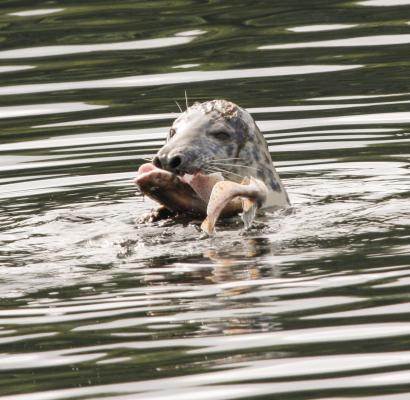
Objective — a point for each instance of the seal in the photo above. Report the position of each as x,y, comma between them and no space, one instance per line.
209,143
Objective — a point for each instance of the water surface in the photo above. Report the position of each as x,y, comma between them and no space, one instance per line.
312,304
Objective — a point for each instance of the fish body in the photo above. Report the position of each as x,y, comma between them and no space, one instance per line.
247,196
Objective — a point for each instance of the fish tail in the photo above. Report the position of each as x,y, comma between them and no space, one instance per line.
208,226
250,207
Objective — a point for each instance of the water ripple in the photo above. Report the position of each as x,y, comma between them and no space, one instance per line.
308,304
36,12
376,40
51,51
174,78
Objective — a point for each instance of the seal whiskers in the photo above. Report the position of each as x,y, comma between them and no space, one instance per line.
224,171
180,109
234,165
186,100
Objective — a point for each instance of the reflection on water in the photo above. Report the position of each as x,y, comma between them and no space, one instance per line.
32,13
48,51
384,3
40,109
380,40
10,68
321,27
174,78
308,304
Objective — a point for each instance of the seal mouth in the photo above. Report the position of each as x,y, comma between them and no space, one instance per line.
188,171
202,194
185,176
178,190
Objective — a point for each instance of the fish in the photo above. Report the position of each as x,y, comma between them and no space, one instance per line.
200,194
249,195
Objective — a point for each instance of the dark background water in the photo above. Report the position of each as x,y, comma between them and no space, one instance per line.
311,305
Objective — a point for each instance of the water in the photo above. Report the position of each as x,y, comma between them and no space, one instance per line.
310,305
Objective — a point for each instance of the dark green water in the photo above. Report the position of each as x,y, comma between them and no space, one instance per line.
312,305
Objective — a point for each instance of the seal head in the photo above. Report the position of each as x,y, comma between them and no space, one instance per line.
219,136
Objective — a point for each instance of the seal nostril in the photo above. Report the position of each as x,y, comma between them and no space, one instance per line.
175,162
156,161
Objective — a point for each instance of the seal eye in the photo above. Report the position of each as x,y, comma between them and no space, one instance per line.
171,133
220,135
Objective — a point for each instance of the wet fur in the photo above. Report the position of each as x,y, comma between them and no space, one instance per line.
192,135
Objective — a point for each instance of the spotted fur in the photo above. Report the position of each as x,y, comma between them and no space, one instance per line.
219,135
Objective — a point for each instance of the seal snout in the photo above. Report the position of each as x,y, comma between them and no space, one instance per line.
175,160
172,162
